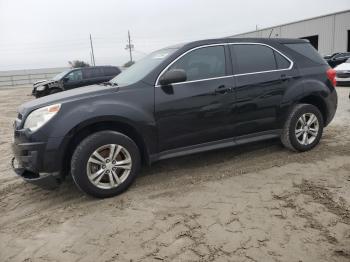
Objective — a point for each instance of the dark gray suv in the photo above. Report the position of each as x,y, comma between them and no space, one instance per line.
180,100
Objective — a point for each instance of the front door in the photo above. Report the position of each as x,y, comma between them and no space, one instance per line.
73,79
198,110
93,75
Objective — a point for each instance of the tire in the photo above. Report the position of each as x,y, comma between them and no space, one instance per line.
293,130
84,168
38,95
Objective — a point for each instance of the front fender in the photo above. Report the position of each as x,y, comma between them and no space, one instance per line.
97,111
133,108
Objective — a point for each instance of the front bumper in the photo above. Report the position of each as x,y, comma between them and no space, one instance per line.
44,180
33,163
343,78
38,93
343,81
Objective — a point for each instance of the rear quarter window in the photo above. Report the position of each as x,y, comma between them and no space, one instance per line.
308,51
282,62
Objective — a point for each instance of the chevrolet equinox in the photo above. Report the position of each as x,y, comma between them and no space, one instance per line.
180,100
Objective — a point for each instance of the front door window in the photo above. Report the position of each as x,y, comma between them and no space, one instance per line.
203,63
74,76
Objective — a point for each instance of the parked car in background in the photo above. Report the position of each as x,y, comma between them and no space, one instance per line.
337,59
180,100
74,78
329,56
343,73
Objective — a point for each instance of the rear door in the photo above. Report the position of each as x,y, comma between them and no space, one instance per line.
93,75
261,77
198,110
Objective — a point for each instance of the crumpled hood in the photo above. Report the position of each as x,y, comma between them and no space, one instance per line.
43,82
40,82
66,96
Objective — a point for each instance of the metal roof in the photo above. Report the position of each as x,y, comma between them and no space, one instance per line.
298,21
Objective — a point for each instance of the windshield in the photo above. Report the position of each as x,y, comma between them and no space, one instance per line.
142,67
60,75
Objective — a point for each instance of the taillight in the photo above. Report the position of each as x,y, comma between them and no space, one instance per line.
331,74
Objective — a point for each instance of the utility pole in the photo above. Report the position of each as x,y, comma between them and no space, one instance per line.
271,33
129,46
92,52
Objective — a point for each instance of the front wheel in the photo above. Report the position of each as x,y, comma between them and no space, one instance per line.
105,164
303,129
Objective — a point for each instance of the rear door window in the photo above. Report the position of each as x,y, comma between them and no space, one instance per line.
92,73
253,58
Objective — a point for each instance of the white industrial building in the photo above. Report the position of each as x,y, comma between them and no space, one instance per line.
328,33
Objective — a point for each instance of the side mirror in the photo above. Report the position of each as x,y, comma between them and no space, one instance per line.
65,79
173,76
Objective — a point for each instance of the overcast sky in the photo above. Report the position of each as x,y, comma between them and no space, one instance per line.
49,33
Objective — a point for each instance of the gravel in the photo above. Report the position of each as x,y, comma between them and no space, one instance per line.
258,202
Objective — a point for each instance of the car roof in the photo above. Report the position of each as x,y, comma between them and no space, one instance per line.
278,40
254,40
239,40
88,67
235,40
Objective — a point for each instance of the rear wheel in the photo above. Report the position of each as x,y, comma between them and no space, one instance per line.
105,164
303,128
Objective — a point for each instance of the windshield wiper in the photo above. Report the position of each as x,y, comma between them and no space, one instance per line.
109,84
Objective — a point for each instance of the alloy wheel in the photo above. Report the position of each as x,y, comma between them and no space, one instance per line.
109,166
307,129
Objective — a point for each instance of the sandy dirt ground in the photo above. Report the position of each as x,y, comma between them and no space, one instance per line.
258,202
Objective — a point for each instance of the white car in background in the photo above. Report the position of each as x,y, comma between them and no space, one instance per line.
343,73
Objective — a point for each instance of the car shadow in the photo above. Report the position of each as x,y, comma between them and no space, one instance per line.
67,192
209,157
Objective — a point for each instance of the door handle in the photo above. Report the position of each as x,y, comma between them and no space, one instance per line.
223,89
285,77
